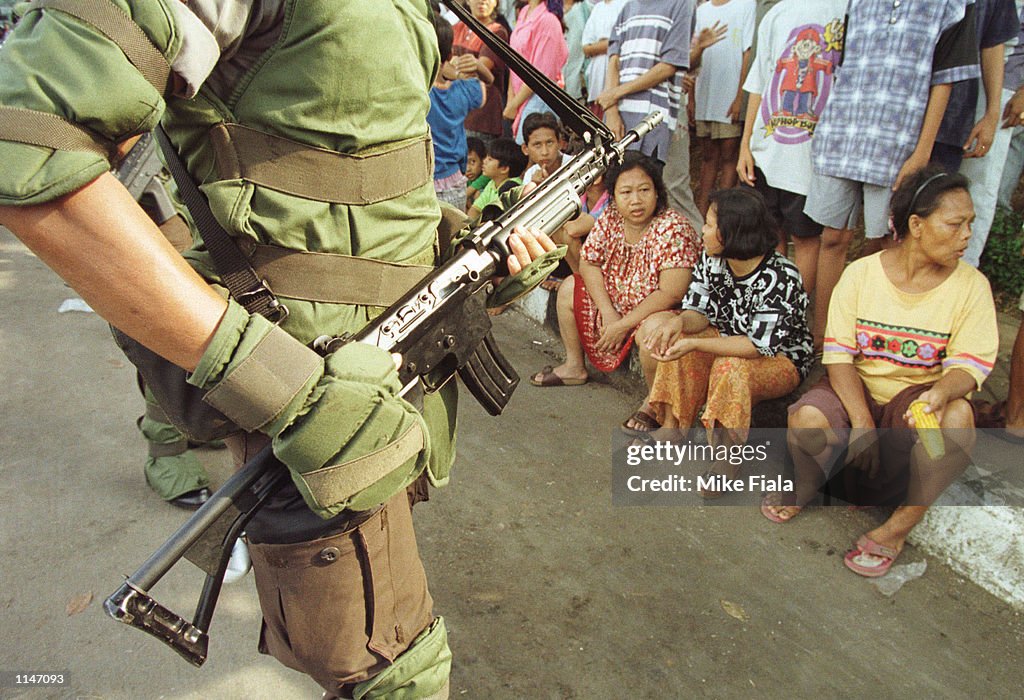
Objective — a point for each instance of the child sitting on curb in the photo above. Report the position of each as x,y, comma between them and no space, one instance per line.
742,337
543,145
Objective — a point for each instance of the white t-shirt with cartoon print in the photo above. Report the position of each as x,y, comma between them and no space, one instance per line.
798,49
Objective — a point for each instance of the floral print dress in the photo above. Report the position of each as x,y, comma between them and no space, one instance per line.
630,271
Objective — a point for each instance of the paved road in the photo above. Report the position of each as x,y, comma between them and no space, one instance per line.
549,590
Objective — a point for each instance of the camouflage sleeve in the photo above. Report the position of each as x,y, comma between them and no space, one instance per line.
72,88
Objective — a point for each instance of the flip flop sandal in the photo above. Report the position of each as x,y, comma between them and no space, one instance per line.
648,422
549,378
870,559
774,499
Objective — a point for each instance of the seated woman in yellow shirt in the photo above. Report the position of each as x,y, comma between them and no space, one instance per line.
909,324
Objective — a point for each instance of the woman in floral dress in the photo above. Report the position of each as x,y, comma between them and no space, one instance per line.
636,264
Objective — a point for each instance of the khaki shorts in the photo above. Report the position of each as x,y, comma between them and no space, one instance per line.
838,203
718,130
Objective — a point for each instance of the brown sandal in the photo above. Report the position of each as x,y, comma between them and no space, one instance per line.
547,377
647,422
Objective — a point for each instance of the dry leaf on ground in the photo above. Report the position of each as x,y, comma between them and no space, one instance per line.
734,609
78,603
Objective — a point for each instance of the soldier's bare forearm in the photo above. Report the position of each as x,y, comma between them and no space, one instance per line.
101,243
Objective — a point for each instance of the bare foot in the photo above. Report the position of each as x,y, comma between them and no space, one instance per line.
882,537
775,510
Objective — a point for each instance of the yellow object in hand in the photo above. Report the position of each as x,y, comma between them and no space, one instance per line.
928,430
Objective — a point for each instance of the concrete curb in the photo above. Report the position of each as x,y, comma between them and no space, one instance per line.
984,544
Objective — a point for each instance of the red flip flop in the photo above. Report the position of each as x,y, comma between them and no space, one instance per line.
868,558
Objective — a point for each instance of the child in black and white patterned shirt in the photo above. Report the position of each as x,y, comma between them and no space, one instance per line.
742,335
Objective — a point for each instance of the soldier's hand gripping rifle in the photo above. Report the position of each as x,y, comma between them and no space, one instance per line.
439,328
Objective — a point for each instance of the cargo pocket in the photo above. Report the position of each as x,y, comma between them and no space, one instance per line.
399,605
315,617
341,608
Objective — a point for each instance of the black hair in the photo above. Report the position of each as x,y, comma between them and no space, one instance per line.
921,193
636,159
475,145
747,227
508,154
540,120
445,37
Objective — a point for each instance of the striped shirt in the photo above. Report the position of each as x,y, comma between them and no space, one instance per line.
650,32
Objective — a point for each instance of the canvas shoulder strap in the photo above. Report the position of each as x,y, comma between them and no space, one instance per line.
232,265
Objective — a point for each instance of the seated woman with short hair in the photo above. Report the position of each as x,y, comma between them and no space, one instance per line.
742,336
910,324
636,262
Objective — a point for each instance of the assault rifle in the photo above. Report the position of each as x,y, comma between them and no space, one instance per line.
439,328
139,171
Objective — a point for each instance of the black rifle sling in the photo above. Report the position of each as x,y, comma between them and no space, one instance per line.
232,265
574,115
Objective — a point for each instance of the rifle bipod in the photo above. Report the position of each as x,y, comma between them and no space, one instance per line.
244,493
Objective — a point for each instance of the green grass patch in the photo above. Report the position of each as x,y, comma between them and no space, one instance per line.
1003,259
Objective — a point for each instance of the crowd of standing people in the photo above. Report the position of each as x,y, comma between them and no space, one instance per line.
815,119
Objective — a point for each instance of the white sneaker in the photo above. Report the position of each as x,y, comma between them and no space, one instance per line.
239,564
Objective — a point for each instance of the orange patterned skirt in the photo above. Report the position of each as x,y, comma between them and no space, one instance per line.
727,387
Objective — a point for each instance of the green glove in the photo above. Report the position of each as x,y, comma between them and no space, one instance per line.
339,425
515,286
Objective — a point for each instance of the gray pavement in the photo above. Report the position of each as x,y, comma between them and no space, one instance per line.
549,590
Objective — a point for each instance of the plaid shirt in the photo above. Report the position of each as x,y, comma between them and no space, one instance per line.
892,58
